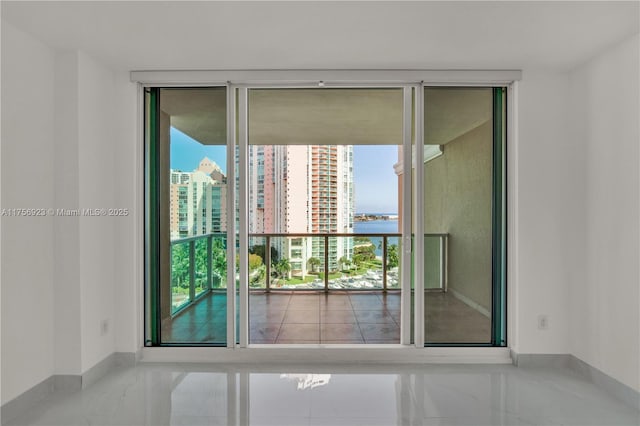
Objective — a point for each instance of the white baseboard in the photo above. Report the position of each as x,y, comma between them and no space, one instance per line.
467,301
329,354
64,383
612,386
23,402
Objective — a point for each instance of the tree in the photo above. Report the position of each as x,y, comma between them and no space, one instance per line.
180,262
366,253
180,265
256,277
255,261
393,259
259,250
282,267
219,261
357,260
348,264
313,264
342,261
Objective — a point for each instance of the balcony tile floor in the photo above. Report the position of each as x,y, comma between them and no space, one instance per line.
337,318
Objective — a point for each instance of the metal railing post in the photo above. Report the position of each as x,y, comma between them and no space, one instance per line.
267,262
384,263
192,270
326,264
209,261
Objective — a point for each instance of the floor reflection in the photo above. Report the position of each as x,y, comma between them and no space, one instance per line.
161,394
308,381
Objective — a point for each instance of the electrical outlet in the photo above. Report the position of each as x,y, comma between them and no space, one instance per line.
543,322
104,327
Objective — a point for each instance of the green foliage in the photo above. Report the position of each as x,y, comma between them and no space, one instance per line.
393,259
344,262
180,263
331,275
255,261
361,240
363,253
282,267
256,277
259,250
313,264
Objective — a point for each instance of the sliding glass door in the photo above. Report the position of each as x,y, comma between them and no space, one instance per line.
462,216
324,246
187,215
367,214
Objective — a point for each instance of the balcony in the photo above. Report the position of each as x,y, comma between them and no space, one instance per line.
198,264
351,303
325,270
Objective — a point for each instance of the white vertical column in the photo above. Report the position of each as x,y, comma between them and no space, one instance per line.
418,216
405,302
67,302
243,235
231,216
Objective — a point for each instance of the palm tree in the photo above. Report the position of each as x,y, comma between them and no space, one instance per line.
313,264
282,267
343,261
392,256
348,264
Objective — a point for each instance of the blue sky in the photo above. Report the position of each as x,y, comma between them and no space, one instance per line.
376,185
186,153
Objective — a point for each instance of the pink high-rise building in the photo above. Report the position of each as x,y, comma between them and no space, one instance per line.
302,189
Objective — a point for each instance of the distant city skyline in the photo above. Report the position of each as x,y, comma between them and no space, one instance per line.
376,184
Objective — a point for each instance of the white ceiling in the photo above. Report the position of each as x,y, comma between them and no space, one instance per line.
350,35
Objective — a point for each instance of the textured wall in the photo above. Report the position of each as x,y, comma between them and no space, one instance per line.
457,191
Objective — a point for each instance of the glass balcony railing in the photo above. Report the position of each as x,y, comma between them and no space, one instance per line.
326,261
198,266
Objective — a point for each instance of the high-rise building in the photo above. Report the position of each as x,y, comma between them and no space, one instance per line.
301,189
198,201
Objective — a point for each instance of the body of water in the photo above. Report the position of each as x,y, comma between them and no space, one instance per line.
377,227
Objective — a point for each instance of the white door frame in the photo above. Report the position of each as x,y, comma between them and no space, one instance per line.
412,79
241,90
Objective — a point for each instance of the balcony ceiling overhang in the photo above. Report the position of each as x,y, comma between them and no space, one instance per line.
451,112
326,116
200,113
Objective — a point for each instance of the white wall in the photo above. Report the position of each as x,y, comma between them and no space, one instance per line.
605,322
547,209
97,133
86,130
27,243
66,250
128,185
61,130
577,213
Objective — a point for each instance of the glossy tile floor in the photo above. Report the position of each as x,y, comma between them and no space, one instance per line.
189,394
337,317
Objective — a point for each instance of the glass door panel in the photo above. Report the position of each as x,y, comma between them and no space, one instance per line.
190,137
322,215
458,194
